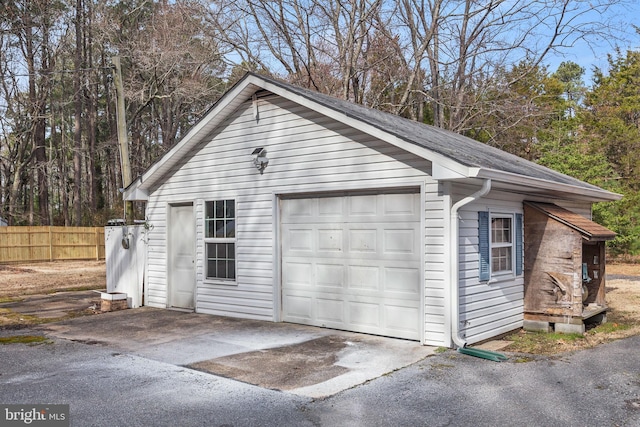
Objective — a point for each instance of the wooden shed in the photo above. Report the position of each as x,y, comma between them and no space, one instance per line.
564,268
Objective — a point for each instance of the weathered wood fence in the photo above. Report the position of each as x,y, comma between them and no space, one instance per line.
24,244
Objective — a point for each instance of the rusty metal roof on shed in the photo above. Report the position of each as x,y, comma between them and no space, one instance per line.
589,229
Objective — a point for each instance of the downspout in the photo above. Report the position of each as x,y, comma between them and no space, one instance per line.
454,261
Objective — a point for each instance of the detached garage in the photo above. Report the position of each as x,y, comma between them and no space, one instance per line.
283,204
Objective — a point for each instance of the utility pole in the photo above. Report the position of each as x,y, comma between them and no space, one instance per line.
123,142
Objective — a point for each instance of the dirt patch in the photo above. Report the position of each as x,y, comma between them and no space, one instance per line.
282,368
18,280
38,292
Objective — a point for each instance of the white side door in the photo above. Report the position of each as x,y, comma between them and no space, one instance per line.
181,256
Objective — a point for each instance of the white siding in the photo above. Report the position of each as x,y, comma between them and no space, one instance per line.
435,293
308,153
489,308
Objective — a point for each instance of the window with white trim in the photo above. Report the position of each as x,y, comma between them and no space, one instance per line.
501,244
220,239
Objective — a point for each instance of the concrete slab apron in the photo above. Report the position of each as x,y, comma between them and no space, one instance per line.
298,359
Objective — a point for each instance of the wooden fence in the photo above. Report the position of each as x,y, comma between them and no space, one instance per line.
24,244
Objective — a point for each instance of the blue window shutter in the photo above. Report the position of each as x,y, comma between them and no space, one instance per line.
483,235
519,251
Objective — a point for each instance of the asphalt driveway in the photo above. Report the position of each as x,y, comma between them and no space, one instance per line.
149,367
302,360
106,387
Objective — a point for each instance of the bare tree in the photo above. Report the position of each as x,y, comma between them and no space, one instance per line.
448,53
466,44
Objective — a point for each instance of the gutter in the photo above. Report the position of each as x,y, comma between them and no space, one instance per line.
454,261
593,194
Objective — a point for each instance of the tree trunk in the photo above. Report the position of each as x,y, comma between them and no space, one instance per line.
77,130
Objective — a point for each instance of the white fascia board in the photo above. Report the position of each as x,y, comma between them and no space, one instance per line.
135,193
445,162
442,173
217,114
592,194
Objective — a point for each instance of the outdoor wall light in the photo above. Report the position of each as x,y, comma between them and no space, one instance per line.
260,159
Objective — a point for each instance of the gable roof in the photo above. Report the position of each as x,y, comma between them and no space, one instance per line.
589,229
453,156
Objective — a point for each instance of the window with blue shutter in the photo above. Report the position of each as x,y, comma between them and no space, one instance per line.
500,245
484,244
519,251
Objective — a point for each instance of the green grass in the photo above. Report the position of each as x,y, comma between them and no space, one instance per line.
607,328
440,350
10,299
540,342
24,339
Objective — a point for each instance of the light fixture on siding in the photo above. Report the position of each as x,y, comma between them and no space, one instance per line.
260,159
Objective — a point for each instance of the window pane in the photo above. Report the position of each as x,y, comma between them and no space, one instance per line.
231,269
222,269
231,251
219,208
501,230
230,209
209,209
230,228
211,268
501,259
219,228
209,228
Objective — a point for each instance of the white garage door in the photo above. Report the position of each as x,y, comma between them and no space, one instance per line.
353,263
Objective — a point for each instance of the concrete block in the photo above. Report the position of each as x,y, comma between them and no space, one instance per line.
113,305
599,319
569,328
536,326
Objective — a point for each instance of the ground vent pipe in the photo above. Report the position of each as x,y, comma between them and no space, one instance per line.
454,261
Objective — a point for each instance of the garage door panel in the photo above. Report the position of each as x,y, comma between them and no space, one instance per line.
363,205
299,208
399,205
299,306
364,277
300,239
331,275
403,280
331,207
356,265
298,273
365,240
364,314
402,319
330,310
330,240
401,241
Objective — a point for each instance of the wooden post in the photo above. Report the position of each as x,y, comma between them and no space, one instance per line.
97,244
50,245
122,134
